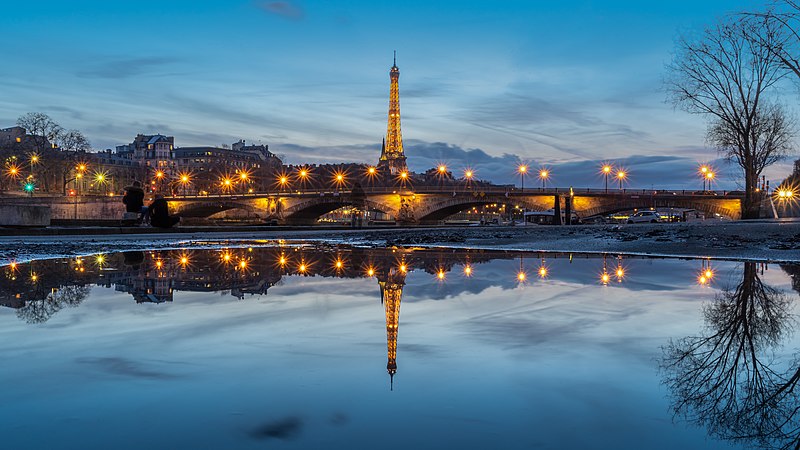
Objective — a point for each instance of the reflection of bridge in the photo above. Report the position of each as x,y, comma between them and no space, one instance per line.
432,204
40,289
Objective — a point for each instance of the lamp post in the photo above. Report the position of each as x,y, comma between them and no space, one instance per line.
544,174
403,178
184,179
283,181
708,178
81,169
159,175
606,172
785,196
34,162
100,178
704,169
468,174
303,175
442,174
621,176
522,169
244,178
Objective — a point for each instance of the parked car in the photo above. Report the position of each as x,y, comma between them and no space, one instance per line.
645,216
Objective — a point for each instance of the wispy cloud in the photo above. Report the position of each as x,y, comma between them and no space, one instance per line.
285,9
644,171
118,69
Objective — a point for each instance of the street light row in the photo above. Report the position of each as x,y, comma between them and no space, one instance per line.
227,182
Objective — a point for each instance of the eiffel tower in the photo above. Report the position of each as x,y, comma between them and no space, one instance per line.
391,296
393,159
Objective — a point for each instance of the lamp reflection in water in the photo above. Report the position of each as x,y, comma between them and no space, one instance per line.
706,274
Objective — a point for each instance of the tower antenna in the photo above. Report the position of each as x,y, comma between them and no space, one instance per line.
395,58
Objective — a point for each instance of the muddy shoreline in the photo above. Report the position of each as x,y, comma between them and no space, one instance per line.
765,241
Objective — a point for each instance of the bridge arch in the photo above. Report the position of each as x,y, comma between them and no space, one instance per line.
436,210
726,207
309,210
207,208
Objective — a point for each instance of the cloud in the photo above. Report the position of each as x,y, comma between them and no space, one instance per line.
288,10
118,69
645,171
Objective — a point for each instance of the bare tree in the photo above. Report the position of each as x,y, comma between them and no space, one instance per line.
727,379
727,75
73,141
784,18
42,132
42,129
42,308
73,144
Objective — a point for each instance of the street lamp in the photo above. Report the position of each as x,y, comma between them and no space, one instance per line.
184,179
303,175
159,176
226,184
785,195
34,161
523,170
468,174
606,169
704,170
544,174
283,181
339,180
403,178
621,176
709,177
100,178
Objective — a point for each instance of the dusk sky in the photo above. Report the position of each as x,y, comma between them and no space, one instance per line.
486,84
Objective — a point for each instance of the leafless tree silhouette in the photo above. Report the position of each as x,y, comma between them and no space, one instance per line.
727,379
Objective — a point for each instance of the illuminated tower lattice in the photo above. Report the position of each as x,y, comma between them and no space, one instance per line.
392,294
392,156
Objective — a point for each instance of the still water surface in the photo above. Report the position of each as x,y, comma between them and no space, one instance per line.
312,347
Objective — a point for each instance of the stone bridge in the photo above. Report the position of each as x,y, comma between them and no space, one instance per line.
420,206
432,205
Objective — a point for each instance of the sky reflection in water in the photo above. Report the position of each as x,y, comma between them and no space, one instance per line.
232,349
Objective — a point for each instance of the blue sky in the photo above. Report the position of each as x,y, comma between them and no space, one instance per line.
565,84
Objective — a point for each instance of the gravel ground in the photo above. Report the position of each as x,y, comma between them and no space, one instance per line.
767,241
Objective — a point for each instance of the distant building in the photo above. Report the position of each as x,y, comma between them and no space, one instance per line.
154,151
11,136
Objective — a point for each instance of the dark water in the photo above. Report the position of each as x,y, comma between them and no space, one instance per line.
399,349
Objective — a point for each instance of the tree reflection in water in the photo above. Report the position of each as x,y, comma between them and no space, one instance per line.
41,308
728,379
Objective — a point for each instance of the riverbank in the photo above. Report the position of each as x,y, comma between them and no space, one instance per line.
767,241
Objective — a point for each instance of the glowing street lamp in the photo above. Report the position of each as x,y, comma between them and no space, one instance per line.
13,171
403,178
283,180
34,161
101,178
785,195
184,180
621,176
226,183
703,171
522,170
606,169
709,178
544,174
